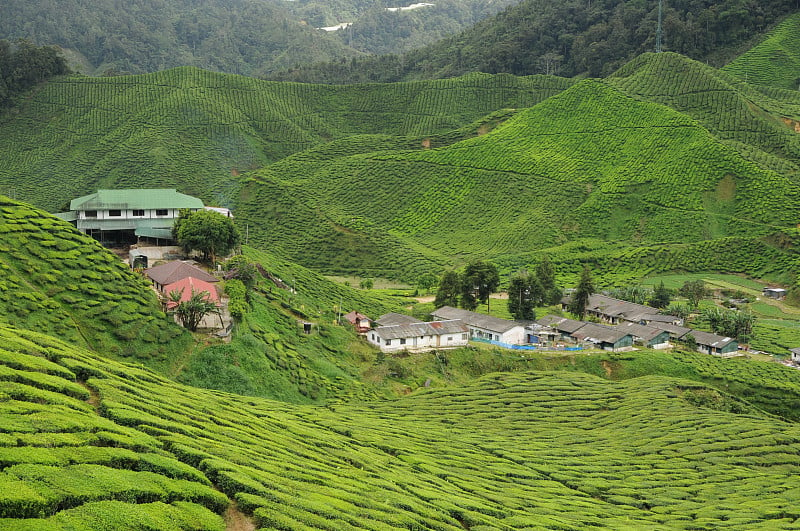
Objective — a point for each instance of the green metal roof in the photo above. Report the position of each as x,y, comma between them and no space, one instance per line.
135,199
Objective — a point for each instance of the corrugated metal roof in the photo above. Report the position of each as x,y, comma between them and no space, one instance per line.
186,286
674,330
597,333
434,328
147,198
647,333
562,324
478,320
174,271
711,340
393,318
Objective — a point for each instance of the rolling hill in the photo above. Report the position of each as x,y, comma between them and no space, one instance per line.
58,281
92,442
197,130
675,163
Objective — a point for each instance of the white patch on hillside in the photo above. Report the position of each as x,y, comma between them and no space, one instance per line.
409,8
337,27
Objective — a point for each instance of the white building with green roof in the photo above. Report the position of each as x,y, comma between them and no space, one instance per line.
126,215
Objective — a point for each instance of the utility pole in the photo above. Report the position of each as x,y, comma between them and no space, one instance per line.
658,29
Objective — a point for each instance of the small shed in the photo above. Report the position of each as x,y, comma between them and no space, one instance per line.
795,355
647,336
774,293
605,337
360,322
709,343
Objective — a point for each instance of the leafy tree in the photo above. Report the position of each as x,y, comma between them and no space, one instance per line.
206,231
730,323
192,311
366,283
694,290
426,282
580,298
546,274
449,290
479,281
662,296
524,293
678,309
635,294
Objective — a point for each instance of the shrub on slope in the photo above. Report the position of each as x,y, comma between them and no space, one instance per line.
57,280
529,449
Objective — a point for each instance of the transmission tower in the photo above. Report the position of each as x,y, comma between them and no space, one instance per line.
658,29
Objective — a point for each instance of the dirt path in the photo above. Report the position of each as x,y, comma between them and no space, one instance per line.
236,520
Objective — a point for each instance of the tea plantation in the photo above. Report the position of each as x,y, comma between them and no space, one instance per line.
54,279
91,443
586,167
196,130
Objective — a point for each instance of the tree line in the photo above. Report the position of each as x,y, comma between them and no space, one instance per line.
23,65
568,38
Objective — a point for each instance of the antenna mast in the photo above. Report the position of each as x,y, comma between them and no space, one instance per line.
658,29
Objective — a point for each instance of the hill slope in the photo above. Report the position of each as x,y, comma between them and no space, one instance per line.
57,280
196,130
589,163
773,62
534,449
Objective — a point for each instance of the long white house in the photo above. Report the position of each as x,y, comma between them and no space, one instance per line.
124,215
485,326
417,337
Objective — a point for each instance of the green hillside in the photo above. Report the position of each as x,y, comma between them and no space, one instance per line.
588,165
95,444
57,281
773,62
196,130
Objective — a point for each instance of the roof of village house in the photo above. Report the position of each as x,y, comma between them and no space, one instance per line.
660,318
478,320
187,286
394,318
562,324
711,340
174,271
612,307
433,328
135,199
647,333
355,316
795,351
674,330
597,333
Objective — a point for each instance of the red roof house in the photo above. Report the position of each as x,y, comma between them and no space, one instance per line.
188,285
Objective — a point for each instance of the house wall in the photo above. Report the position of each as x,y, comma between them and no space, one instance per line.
417,342
515,336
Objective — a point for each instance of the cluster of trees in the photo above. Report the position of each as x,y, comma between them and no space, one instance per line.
568,38
730,323
528,290
209,232
468,287
23,65
660,297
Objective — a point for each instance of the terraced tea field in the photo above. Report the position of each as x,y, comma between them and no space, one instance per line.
54,279
544,450
196,130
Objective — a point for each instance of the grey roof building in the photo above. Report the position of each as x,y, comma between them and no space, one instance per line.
393,318
485,327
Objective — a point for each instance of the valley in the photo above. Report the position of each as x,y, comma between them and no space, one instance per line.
477,181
